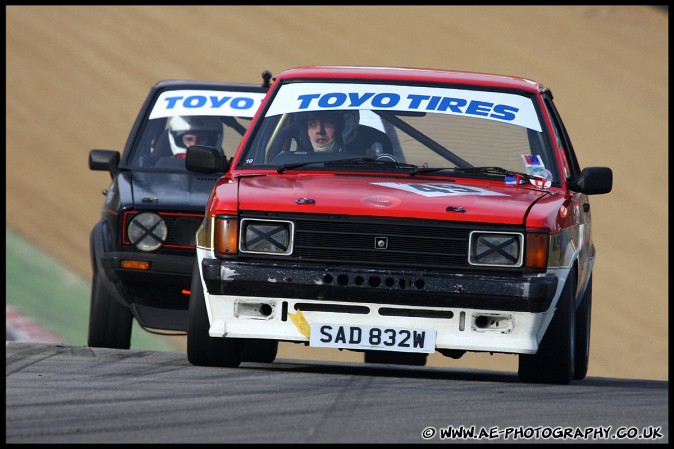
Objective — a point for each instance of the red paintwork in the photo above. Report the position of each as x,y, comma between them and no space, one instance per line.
404,74
546,216
358,195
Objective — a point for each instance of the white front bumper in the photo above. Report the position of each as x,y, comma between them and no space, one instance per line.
467,329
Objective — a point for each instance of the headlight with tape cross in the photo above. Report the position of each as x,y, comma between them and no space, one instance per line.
501,249
147,231
266,237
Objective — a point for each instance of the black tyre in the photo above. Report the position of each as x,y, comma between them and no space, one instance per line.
110,322
258,350
202,349
396,358
554,362
583,325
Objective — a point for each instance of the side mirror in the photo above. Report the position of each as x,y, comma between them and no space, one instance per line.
107,160
204,159
593,181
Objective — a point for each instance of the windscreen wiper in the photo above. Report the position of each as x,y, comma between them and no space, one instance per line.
352,162
355,160
516,176
483,170
368,162
285,167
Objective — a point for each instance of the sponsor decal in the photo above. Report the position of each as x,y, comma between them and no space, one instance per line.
434,190
502,107
513,180
206,102
535,167
532,159
301,323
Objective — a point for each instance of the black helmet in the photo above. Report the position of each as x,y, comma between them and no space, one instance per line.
345,121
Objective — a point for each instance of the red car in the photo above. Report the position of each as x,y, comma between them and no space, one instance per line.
398,212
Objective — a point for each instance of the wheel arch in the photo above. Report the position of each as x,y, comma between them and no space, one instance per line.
97,247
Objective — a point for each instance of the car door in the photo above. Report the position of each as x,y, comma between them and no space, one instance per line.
580,203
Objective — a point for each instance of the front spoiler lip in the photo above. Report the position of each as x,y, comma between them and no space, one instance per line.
393,287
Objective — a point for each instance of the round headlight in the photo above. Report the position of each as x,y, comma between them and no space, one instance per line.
147,231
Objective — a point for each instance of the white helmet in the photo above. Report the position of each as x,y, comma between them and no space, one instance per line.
211,127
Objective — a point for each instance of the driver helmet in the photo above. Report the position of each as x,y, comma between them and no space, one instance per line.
350,129
208,131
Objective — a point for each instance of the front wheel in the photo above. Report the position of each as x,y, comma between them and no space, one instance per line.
583,324
110,322
202,349
555,360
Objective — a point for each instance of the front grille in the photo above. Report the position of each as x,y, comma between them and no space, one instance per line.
182,230
339,239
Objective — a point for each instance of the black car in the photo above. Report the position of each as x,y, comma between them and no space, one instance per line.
143,247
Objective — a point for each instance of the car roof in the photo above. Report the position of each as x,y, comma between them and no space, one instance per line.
192,84
412,74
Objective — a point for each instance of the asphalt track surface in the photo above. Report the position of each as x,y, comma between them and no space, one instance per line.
68,394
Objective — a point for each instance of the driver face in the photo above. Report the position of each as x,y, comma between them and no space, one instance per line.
198,138
321,131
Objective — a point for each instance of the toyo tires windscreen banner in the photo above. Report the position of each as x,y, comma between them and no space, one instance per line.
206,102
498,106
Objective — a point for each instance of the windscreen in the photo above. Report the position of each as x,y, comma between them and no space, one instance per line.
426,126
181,118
